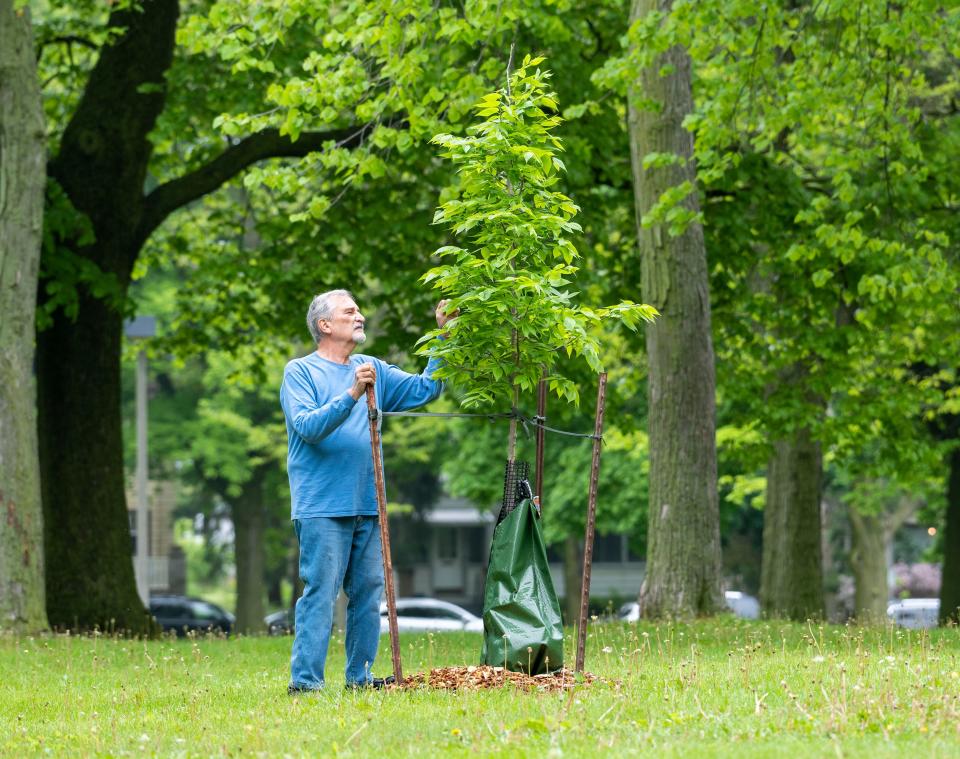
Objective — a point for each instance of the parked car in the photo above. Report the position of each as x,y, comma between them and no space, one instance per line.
430,615
413,615
183,614
280,622
741,604
915,613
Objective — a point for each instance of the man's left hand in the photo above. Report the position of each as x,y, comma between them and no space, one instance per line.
442,316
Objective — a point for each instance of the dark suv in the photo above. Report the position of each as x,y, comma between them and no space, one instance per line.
184,614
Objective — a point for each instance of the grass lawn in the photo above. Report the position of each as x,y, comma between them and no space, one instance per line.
721,687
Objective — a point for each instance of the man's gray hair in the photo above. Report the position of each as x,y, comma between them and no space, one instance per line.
321,307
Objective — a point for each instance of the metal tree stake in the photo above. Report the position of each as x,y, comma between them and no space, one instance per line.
591,522
541,432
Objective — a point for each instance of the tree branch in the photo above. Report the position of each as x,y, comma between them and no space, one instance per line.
906,508
268,143
65,39
102,161
856,519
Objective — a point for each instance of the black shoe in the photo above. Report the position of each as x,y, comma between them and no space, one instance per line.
377,683
299,690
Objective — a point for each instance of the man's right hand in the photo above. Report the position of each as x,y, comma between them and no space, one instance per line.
366,374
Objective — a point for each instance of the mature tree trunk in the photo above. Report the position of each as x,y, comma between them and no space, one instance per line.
868,558
275,588
22,174
102,166
947,428
791,582
90,577
950,589
872,538
683,549
248,549
572,578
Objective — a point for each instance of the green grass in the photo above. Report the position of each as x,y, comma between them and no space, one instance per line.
714,688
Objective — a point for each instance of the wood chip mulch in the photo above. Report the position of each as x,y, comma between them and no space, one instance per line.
485,676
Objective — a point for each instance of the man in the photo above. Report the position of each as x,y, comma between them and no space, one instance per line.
332,487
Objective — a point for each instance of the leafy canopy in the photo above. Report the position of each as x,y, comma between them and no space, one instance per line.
822,136
516,313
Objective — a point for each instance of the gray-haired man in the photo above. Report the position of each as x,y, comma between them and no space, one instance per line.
334,505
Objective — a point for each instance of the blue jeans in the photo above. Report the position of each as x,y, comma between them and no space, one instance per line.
337,552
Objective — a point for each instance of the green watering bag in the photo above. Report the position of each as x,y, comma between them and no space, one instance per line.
522,626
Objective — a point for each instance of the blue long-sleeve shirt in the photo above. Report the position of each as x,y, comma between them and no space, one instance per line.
328,432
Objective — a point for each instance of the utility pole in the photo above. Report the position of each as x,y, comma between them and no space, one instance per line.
138,329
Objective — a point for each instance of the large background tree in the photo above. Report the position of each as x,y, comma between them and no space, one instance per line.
830,241
22,158
683,538
832,261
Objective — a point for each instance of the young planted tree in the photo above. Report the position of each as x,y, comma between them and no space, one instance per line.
22,173
517,315
476,450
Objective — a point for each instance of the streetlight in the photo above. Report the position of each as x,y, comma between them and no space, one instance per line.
138,329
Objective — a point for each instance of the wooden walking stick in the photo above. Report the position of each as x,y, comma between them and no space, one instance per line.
373,415
591,522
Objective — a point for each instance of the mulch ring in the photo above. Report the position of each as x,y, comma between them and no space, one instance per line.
485,676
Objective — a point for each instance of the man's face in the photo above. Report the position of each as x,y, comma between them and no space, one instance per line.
346,322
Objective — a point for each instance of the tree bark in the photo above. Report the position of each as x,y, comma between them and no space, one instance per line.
868,558
22,175
248,550
872,538
90,577
275,592
683,554
950,589
791,582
